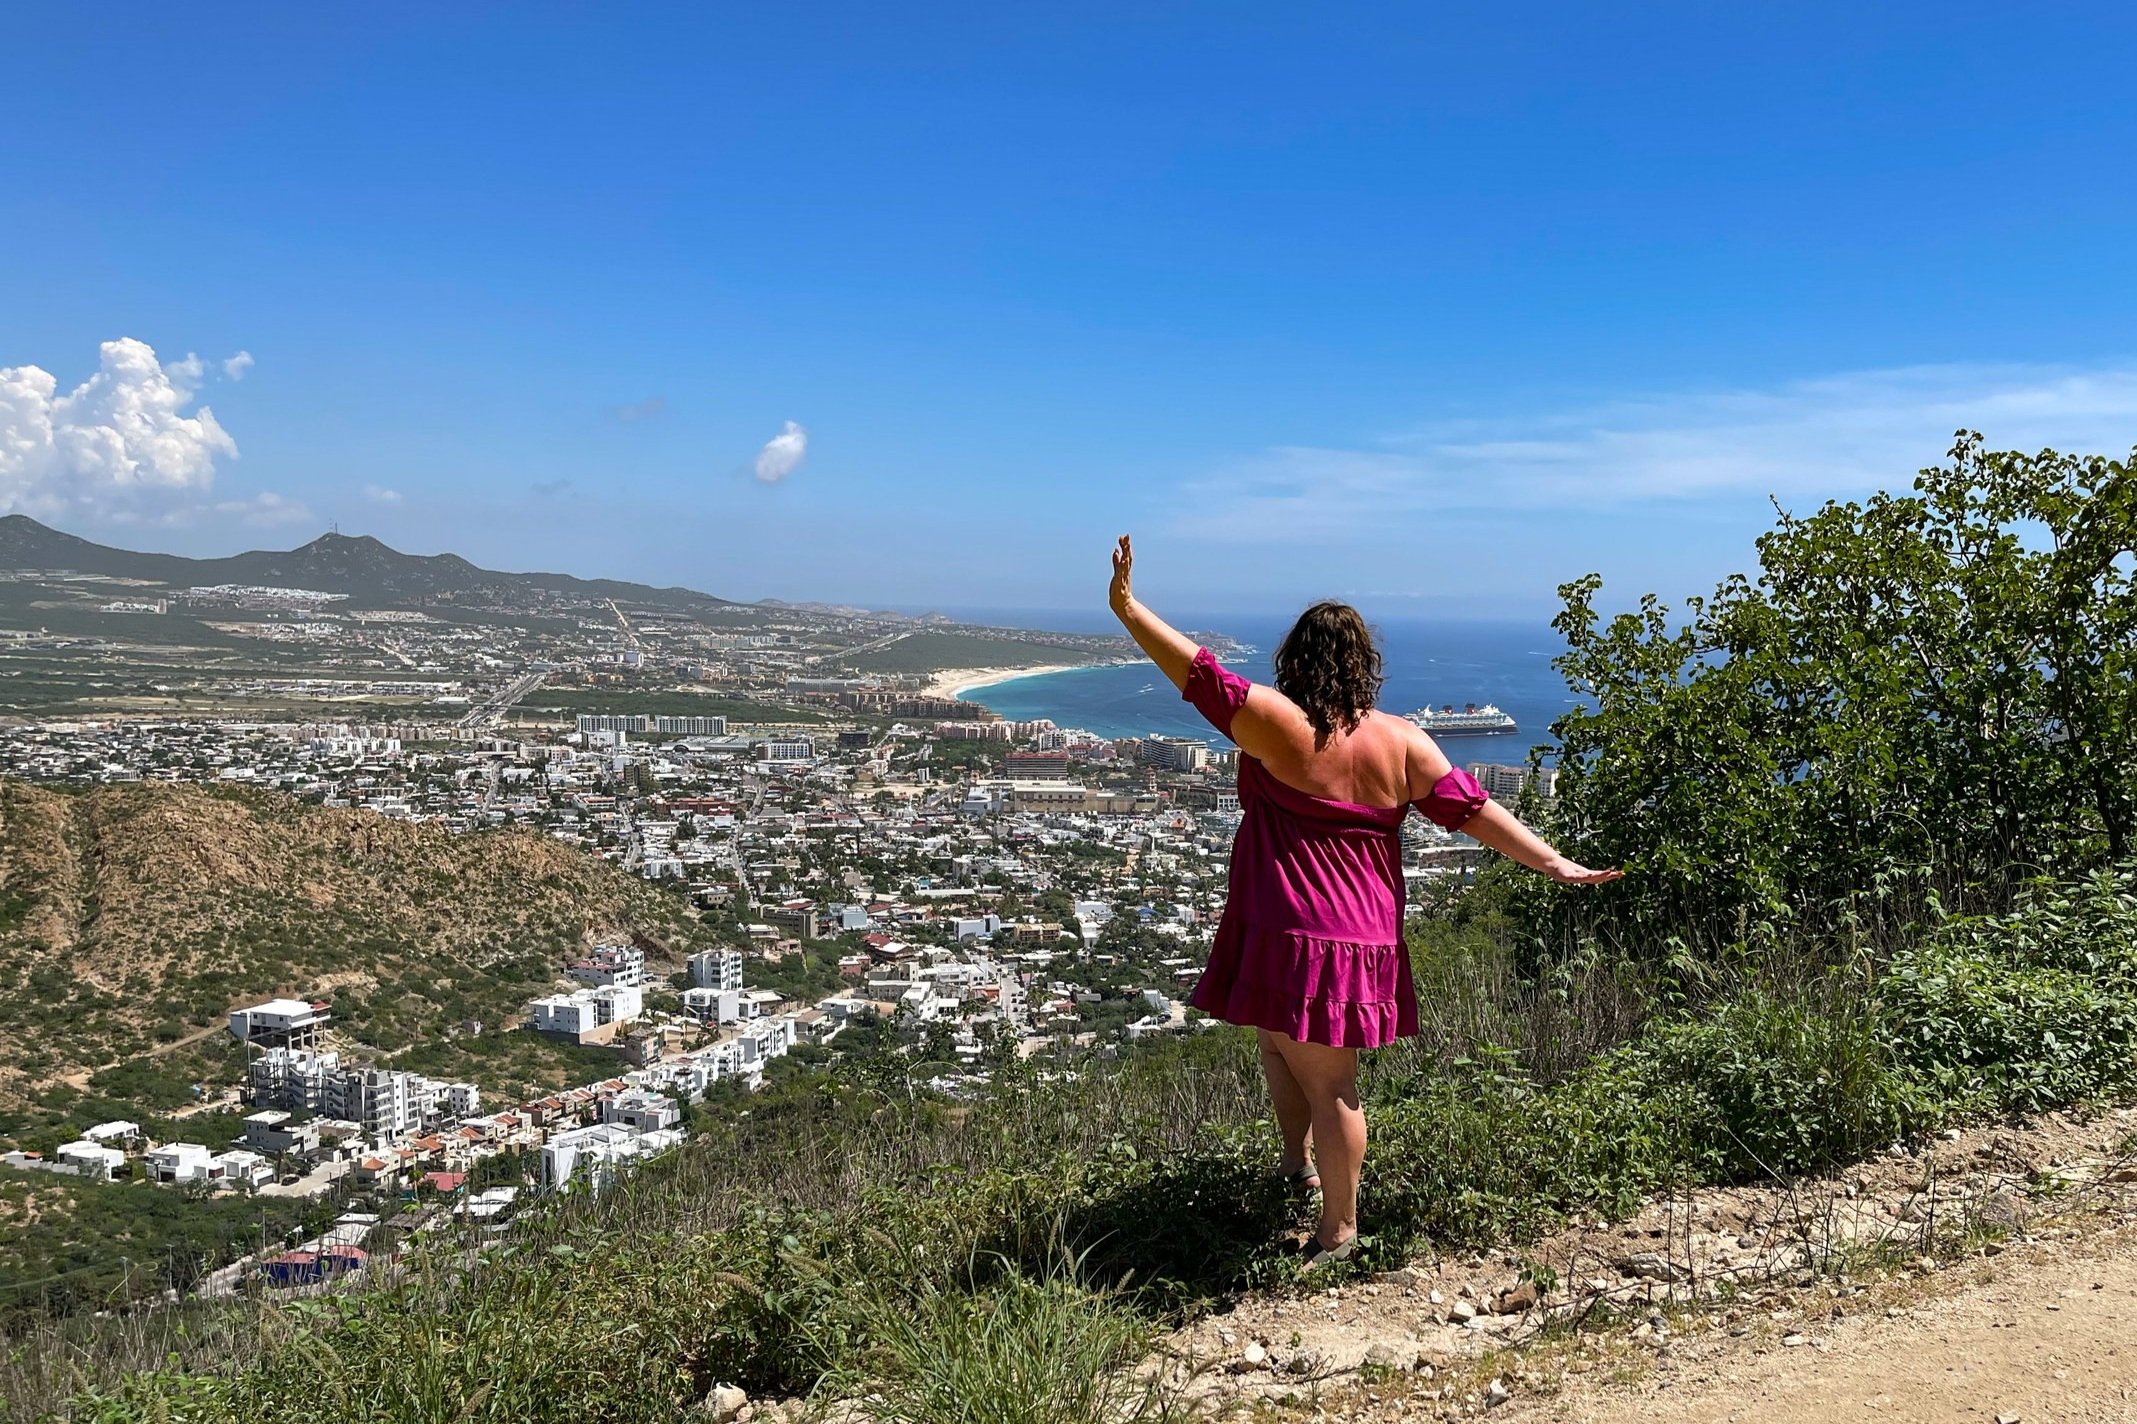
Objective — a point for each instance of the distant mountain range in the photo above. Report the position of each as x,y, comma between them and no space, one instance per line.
357,565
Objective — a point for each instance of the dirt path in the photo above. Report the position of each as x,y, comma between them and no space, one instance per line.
1988,1274
2045,1340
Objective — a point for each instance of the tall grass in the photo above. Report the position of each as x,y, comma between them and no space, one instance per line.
742,1259
1020,1349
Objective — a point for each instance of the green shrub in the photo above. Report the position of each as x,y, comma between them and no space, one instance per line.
1781,1084
2024,1011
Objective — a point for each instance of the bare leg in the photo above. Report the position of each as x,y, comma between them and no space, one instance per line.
1294,1117
1329,1079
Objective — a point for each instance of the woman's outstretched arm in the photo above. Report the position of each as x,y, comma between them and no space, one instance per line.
1169,648
1501,830
1451,798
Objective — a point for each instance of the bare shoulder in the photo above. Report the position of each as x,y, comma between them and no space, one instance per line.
1423,760
1268,721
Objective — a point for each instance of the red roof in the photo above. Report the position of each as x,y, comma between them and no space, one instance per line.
446,1181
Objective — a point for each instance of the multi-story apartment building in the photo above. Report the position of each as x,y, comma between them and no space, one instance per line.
1173,753
716,969
610,964
612,722
586,1013
291,1078
776,749
793,921
1506,783
1036,766
385,1103
691,726
713,1006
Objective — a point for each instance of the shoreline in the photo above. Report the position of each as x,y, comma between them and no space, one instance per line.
956,683
962,683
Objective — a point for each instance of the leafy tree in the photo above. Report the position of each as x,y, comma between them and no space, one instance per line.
1928,697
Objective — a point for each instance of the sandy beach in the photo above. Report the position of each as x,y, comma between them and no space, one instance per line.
958,682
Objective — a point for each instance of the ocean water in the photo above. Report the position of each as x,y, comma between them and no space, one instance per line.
1427,662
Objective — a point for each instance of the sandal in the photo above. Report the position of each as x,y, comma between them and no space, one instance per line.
1302,1181
1318,1256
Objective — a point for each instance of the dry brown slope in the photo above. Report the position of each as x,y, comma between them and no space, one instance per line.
129,910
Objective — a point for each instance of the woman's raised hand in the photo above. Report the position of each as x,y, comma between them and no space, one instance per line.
1123,565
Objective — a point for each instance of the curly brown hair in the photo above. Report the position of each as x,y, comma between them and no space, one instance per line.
1329,665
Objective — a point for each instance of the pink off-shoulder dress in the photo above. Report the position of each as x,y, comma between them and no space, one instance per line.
1310,944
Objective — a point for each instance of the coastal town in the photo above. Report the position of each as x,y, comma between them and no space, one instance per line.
867,852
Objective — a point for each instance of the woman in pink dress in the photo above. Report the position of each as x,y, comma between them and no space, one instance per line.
1309,952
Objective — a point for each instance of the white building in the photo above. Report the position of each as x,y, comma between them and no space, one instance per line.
610,964
716,969
244,1169
106,1133
643,1110
840,919
584,1012
181,1162
281,1023
383,1103
596,1153
90,1159
1174,753
713,1006
291,1078
272,1131
691,726
1506,783
783,749
612,722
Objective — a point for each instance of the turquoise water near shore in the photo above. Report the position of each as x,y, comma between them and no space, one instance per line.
1427,661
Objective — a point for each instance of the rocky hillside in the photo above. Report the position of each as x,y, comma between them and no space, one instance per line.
133,918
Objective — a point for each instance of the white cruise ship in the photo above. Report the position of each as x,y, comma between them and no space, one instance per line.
1471,721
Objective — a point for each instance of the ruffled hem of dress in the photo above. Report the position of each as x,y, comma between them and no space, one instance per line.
1361,996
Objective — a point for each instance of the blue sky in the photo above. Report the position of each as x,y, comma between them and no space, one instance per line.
1435,306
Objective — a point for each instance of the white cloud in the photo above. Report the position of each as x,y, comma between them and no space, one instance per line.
1842,436
782,454
379,494
641,410
121,443
236,366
